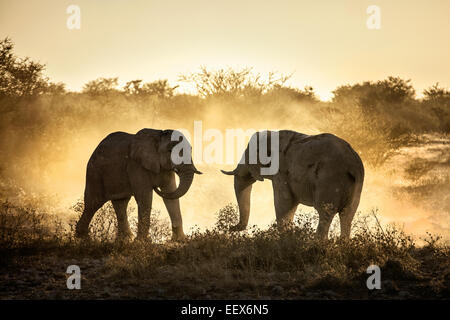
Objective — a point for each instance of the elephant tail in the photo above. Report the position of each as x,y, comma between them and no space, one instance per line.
229,173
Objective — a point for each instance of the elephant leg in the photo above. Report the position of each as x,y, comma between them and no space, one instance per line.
346,217
144,202
90,208
285,204
326,214
120,207
173,208
93,200
243,190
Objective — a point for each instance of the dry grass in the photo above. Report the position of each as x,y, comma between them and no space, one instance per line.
253,264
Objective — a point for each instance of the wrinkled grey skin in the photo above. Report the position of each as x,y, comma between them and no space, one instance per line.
125,165
322,171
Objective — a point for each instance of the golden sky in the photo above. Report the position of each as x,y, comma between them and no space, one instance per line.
325,43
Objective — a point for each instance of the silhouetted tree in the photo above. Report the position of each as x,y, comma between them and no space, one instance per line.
101,86
133,87
375,96
21,77
232,83
436,93
307,94
160,88
437,100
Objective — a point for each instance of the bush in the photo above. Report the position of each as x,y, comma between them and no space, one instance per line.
27,227
252,262
22,77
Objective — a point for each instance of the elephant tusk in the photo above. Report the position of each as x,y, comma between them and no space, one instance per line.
158,191
230,173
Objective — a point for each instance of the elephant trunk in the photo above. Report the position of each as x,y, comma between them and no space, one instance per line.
243,190
186,174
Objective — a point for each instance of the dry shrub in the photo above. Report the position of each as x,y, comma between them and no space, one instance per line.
291,256
226,217
25,226
294,251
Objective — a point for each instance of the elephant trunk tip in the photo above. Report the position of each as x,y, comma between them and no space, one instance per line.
159,192
186,178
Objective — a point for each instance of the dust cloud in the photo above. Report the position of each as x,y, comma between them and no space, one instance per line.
49,162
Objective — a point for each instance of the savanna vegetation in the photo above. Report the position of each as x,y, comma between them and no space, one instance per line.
217,264
41,121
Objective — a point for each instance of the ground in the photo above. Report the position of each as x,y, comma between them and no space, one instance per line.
203,269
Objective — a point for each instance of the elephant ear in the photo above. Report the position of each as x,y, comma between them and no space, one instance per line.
144,149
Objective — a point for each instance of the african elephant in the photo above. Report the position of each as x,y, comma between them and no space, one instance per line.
125,165
321,170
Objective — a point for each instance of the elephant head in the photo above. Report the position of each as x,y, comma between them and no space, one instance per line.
153,150
246,172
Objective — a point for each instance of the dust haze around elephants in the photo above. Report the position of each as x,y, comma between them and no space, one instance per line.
376,75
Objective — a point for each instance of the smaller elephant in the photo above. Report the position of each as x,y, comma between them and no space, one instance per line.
125,165
321,170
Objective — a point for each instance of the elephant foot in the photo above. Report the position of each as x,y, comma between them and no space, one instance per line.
142,234
178,234
81,234
238,227
124,237
321,236
345,237
143,240
178,237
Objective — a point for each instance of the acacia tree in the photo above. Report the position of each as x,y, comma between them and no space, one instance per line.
374,96
437,93
22,77
160,88
101,86
232,83
437,100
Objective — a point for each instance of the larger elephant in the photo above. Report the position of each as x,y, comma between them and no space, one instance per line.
125,165
322,171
